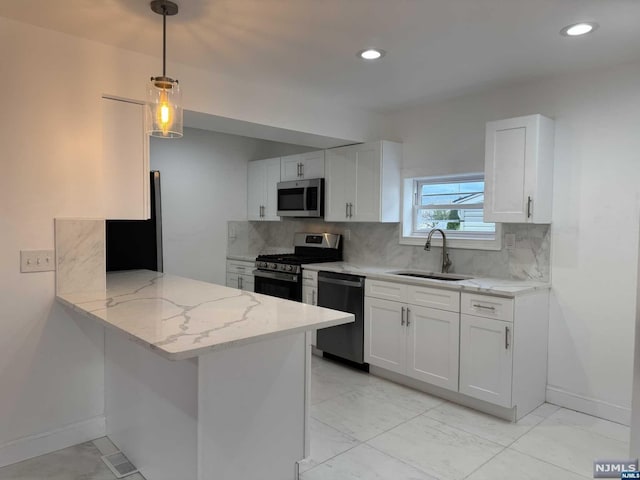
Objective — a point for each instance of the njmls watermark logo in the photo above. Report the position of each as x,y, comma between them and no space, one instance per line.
616,469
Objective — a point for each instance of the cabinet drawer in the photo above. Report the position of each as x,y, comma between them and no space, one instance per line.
487,306
434,298
396,292
236,266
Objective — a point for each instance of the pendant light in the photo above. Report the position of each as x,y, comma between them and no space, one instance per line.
164,99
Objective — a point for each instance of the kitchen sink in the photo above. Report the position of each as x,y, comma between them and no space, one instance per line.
449,277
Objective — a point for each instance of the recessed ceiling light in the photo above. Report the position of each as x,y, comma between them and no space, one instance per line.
578,29
371,54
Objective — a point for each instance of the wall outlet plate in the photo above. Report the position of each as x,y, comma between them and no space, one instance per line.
510,241
37,261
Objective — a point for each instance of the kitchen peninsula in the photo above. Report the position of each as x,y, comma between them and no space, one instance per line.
216,381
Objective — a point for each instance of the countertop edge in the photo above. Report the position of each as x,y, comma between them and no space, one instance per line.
508,289
196,352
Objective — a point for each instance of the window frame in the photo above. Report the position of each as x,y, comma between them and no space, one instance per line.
464,240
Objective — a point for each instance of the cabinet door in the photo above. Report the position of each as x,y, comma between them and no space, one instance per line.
290,167
339,171
256,188
384,334
247,283
486,359
125,151
313,164
519,170
272,173
233,280
309,295
432,346
366,174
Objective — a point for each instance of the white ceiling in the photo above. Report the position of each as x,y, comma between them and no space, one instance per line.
436,48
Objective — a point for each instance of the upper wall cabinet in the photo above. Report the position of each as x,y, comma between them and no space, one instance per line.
125,155
304,165
362,183
519,170
262,189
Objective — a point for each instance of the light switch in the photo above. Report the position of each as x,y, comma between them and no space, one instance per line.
232,231
37,261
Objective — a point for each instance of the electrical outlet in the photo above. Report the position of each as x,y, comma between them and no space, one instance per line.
347,234
510,241
37,261
232,231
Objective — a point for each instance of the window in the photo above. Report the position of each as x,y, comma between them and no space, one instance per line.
453,204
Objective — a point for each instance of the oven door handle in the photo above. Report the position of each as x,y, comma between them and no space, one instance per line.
287,277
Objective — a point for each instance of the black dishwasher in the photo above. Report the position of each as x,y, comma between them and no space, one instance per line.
343,292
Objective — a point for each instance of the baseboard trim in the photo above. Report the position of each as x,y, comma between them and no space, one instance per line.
42,443
588,405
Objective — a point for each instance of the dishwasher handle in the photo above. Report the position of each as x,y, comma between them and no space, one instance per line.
359,282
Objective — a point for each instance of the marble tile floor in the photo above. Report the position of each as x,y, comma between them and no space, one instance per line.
366,428
79,462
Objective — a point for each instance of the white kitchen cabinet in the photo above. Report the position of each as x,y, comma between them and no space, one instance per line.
433,346
125,156
310,294
262,189
503,349
362,183
240,275
486,359
519,170
385,335
304,165
477,346
416,341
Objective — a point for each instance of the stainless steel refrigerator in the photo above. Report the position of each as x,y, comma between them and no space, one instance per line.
137,244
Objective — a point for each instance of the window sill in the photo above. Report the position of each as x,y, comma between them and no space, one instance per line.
457,243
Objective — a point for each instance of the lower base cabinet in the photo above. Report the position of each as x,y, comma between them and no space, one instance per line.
486,359
240,276
483,347
416,341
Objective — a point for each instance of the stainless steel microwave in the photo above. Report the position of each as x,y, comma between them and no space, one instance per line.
301,198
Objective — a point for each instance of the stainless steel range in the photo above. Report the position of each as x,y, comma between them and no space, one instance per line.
280,275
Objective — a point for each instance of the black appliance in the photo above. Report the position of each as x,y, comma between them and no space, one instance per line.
343,292
301,198
281,275
137,244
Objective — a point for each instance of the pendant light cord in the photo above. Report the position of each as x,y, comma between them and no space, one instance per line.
164,40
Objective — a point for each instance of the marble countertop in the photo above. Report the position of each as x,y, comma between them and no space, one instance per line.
181,318
494,286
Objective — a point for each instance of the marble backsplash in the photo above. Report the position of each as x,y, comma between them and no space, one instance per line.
378,244
80,255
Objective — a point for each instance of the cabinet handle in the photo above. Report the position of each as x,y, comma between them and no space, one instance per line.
408,312
313,297
402,317
238,282
302,170
241,283
506,338
529,205
350,210
476,305
346,212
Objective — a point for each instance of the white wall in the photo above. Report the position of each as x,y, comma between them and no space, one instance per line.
204,185
51,362
595,216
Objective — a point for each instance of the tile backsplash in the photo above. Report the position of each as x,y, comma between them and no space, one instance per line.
377,244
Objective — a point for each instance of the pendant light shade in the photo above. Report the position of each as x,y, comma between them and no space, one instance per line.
164,99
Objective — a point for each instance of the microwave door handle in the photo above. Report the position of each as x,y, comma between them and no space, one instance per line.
306,195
